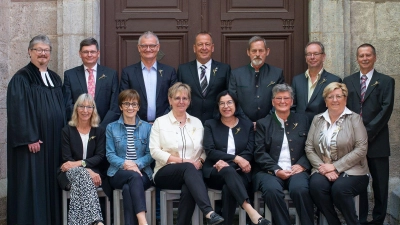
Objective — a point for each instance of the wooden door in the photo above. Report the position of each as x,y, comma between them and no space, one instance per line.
283,23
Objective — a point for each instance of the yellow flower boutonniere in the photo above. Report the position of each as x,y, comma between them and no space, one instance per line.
323,81
376,83
160,71
338,128
271,83
295,125
102,76
237,130
91,138
215,70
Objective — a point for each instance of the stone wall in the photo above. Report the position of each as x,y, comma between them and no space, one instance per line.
343,25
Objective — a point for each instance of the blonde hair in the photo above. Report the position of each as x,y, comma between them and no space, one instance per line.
333,86
179,87
94,119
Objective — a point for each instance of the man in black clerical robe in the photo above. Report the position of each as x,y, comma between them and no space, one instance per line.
36,115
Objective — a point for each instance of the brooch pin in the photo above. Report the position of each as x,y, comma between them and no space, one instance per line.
102,76
215,70
376,83
294,125
271,83
91,138
237,130
160,71
338,128
323,81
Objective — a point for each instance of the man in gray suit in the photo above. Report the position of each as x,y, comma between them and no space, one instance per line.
253,82
308,86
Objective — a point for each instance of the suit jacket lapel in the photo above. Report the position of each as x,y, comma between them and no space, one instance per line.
91,143
304,84
195,75
355,80
318,87
78,144
159,78
214,67
139,77
99,82
80,75
372,84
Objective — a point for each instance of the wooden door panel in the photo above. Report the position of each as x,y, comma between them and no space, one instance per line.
232,23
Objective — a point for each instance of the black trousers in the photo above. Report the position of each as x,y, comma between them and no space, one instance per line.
340,193
379,169
272,188
185,177
133,187
234,190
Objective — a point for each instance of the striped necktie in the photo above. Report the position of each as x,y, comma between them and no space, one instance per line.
363,90
203,80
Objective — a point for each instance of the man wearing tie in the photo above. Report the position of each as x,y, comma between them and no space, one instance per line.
149,78
99,81
372,94
308,86
206,77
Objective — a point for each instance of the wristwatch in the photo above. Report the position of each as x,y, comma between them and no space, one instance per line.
83,163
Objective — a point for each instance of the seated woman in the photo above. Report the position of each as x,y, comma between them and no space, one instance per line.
281,163
83,151
229,143
176,145
336,147
129,157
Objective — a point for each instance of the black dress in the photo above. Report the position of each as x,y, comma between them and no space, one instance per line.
35,112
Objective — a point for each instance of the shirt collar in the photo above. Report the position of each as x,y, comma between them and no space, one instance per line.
325,114
369,74
173,119
307,74
207,64
154,66
94,67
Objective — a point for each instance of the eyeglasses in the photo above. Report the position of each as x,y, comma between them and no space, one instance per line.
88,107
183,99
207,45
228,103
279,99
133,104
39,50
338,97
151,47
89,52
314,54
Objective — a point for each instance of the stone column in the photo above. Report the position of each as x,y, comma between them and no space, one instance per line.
329,23
77,20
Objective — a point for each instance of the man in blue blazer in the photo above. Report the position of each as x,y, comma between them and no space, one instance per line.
375,108
149,78
308,86
253,82
76,82
216,75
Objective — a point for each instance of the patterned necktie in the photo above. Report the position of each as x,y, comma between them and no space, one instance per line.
91,85
203,80
363,90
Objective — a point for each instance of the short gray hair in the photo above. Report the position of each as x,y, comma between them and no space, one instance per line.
148,34
315,43
41,38
282,88
255,39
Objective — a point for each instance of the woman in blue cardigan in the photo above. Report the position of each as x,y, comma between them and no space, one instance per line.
127,145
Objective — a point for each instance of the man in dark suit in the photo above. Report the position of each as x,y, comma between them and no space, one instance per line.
308,86
253,82
204,88
92,78
372,95
149,78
